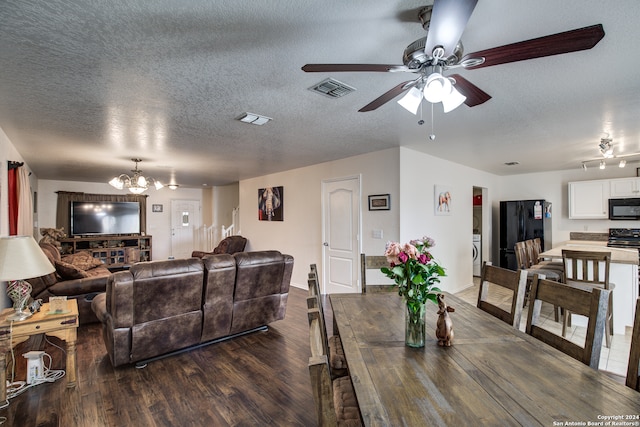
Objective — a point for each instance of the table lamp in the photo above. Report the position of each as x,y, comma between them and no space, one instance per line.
21,258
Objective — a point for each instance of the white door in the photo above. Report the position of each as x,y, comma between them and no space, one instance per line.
185,220
341,233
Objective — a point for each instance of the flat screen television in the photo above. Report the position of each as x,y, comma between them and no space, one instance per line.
95,218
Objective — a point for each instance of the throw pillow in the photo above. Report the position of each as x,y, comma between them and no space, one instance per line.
68,271
82,260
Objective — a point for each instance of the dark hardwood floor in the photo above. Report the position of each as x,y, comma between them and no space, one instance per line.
254,380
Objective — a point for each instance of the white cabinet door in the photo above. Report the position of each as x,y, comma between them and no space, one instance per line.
589,199
625,187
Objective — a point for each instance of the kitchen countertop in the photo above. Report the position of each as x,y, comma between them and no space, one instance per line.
618,255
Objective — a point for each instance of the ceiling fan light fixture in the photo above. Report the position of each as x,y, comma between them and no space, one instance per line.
436,88
453,100
411,101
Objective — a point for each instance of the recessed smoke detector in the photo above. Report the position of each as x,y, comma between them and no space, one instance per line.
332,88
512,163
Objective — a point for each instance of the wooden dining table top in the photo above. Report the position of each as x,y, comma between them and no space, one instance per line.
492,375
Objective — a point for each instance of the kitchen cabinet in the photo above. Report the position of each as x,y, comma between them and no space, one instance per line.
589,199
625,187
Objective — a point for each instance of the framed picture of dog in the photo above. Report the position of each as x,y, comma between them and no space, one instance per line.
442,200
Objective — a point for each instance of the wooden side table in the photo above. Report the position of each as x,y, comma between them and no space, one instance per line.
63,326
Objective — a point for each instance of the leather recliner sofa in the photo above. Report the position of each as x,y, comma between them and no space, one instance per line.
159,307
228,245
78,276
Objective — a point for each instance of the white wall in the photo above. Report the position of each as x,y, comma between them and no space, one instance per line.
453,234
300,234
158,223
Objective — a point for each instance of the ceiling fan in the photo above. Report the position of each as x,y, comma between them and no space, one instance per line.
442,50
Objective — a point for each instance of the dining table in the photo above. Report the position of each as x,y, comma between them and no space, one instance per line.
491,375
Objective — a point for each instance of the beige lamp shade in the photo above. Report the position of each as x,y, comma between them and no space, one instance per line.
22,258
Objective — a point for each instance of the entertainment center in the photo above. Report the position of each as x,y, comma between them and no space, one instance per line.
114,251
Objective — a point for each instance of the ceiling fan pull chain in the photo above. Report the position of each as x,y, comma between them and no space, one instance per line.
433,131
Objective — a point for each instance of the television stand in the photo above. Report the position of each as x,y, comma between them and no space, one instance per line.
115,252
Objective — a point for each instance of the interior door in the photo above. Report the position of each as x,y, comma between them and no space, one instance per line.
185,220
341,234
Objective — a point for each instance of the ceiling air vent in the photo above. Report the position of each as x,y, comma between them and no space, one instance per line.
332,88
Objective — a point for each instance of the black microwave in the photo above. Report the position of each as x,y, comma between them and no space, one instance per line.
624,208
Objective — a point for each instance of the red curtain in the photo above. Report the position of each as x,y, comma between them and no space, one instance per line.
13,201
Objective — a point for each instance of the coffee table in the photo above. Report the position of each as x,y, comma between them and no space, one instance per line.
63,326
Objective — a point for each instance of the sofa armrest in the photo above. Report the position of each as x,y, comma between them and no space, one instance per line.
119,299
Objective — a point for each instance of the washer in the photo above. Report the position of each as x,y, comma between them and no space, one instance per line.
477,251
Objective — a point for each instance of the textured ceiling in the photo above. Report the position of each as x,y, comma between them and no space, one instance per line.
86,85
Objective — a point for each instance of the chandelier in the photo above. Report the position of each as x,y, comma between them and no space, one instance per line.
137,184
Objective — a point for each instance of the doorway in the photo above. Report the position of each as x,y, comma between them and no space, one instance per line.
185,220
478,229
341,235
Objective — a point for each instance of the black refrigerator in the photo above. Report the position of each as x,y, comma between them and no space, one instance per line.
523,220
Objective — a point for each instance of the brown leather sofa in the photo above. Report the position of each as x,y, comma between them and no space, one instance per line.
78,276
159,307
228,245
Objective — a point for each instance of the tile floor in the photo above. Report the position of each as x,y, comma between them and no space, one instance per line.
614,359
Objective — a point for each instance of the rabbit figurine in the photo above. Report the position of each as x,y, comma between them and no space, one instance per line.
444,326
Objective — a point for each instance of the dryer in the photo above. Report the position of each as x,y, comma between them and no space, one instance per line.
477,254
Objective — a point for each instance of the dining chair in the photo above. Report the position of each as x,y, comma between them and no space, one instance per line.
334,399
332,345
590,269
589,303
373,262
534,247
524,262
631,380
514,281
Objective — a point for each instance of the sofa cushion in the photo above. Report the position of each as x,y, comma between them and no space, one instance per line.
82,260
51,251
68,271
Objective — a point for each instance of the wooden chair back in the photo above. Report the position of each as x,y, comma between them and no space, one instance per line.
592,304
314,304
633,380
522,256
586,267
335,399
515,281
373,262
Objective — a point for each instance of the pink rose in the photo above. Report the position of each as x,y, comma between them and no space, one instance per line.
392,251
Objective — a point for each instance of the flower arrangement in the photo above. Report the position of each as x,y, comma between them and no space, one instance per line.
414,271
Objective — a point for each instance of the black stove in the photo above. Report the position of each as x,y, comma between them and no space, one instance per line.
624,238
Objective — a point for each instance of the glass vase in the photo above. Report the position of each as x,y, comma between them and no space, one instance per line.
414,332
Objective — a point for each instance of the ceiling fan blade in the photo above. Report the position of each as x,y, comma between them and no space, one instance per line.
324,68
555,44
448,20
475,95
388,96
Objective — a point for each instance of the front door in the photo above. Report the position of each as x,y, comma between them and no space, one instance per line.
185,220
341,234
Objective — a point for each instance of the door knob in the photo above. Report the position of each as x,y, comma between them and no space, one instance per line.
326,244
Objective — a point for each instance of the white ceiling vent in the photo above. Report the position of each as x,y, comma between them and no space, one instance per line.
332,88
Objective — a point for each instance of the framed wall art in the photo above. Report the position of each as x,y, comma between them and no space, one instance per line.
442,200
271,204
156,208
379,202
